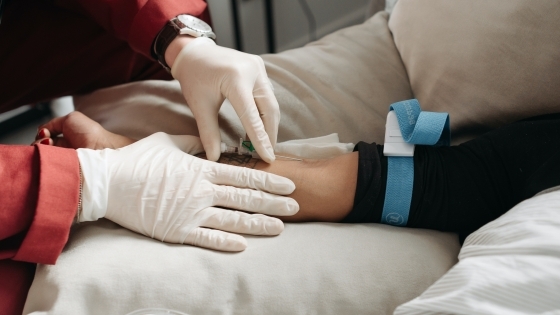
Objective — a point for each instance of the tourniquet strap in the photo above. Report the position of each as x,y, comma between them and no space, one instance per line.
418,128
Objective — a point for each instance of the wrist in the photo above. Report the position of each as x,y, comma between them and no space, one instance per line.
180,42
95,195
185,51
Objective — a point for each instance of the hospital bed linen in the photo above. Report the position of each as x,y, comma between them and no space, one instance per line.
509,266
317,268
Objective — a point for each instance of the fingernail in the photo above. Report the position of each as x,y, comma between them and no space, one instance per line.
41,133
45,141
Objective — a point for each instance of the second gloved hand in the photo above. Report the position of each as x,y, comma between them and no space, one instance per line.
154,188
208,74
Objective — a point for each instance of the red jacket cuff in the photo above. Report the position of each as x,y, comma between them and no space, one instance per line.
57,202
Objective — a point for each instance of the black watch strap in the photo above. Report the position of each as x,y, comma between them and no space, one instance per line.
167,34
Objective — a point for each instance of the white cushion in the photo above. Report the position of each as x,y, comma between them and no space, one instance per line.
310,268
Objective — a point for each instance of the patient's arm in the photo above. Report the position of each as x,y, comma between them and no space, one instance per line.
324,188
456,189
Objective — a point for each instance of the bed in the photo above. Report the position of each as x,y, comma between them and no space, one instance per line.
486,63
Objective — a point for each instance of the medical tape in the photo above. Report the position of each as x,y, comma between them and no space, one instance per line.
415,127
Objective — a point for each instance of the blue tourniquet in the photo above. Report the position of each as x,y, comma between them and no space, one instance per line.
417,127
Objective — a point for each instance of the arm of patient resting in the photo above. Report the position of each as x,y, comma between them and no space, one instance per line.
325,188
456,189
154,187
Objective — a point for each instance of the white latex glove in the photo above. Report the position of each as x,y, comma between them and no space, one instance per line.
208,74
154,188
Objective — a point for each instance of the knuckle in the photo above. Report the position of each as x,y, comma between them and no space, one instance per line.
244,176
200,237
258,60
275,108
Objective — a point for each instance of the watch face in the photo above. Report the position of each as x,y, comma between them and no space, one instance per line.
194,23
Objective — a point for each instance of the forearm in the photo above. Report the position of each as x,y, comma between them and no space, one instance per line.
464,187
456,189
324,188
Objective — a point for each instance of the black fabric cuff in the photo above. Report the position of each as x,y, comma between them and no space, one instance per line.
370,187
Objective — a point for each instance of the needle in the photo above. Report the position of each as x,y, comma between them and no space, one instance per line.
288,158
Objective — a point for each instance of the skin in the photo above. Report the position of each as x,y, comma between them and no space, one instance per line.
325,189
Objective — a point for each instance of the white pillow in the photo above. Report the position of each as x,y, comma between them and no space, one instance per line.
310,268
509,266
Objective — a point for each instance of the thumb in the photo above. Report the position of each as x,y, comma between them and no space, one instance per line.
55,126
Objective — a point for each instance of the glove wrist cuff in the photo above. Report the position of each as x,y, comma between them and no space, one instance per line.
95,186
200,41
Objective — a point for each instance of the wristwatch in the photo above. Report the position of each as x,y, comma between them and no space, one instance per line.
183,24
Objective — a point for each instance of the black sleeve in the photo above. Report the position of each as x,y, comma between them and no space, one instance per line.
463,187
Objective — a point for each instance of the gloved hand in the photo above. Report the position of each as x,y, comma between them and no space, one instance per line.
154,188
208,74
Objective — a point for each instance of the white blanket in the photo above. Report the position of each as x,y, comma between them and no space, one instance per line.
509,266
316,268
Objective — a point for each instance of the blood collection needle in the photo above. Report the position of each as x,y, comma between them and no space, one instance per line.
287,157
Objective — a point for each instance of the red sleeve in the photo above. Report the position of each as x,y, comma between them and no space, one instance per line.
137,21
39,191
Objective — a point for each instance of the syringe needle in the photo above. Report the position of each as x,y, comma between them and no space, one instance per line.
288,158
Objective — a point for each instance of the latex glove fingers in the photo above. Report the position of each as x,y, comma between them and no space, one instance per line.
206,117
268,108
241,98
241,222
254,201
209,73
215,239
249,178
152,187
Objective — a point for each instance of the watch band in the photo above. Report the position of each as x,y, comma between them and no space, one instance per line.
181,24
162,41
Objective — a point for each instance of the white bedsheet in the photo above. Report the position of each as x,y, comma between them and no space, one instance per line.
311,268
509,266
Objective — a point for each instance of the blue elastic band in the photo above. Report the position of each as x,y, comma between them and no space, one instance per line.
417,127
